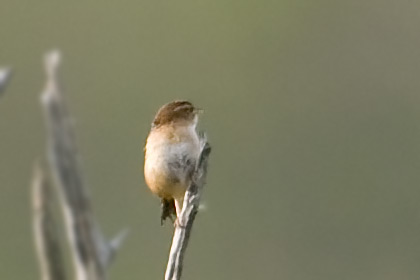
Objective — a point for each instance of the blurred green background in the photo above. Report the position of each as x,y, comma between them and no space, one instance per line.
312,108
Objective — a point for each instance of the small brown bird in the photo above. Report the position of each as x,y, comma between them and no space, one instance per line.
171,153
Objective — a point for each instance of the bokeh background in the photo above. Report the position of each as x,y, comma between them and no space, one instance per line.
312,108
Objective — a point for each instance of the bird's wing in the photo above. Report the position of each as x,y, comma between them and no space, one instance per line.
182,167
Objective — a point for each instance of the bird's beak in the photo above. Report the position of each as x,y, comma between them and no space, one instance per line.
198,110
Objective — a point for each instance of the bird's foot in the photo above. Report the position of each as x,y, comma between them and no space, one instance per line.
178,223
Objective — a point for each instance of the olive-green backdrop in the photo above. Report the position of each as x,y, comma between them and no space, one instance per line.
312,108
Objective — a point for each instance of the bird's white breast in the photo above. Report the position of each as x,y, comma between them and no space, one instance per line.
166,146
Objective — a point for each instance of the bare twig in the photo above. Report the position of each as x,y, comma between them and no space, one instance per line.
45,229
91,253
188,213
5,75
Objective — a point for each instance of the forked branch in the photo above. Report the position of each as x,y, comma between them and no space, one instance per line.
91,252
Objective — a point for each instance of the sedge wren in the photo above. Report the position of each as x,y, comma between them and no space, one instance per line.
171,153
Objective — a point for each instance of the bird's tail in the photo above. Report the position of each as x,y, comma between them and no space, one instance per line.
168,210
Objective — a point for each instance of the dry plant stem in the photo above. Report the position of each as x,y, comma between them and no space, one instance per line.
91,253
5,75
185,221
45,229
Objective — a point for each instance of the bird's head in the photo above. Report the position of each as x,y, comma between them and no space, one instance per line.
176,112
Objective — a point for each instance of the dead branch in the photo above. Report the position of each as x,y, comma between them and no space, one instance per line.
45,229
91,253
189,210
5,75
